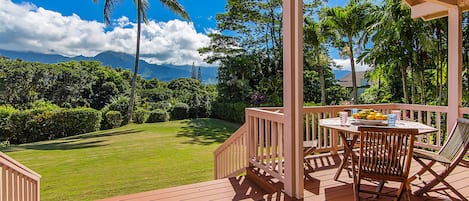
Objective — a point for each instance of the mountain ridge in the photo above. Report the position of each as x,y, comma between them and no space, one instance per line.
164,72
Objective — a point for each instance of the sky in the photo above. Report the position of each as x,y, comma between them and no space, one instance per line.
77,28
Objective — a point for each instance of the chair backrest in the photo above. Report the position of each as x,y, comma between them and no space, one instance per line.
386,152
458,141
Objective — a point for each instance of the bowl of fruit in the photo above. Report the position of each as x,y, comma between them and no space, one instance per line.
370,117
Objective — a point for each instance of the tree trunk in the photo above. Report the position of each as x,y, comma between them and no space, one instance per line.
354,76
412,83
422,88
137,56
322,81
404,83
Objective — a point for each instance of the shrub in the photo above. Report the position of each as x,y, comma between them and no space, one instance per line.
43,105
200,107
113,119
234,112
180,111
5,114
163,105
140,116
80,120
37,125
120,104
156,94
158,116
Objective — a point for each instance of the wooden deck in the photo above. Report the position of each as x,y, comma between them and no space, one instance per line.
321,187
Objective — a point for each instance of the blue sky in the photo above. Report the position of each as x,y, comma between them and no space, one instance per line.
202,12
73,28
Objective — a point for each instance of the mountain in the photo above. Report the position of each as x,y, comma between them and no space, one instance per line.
164,72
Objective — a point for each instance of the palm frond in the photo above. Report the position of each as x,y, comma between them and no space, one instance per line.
177,8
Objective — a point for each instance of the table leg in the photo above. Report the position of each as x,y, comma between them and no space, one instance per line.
348,149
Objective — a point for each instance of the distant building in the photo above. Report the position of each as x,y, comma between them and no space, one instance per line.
362,82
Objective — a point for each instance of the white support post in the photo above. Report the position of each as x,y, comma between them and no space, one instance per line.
454,64
293,96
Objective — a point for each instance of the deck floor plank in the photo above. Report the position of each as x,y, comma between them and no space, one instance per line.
321,187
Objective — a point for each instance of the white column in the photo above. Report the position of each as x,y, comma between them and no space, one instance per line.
454,64
293,96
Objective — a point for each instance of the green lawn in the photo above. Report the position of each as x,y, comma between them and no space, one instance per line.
130,159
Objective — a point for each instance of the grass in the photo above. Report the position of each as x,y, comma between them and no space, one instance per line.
131,159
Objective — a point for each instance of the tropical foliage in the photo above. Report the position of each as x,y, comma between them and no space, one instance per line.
248,49
142,6
46,101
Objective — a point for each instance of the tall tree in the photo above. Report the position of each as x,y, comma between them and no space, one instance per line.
349,24
315,54
193,75
199,75
142,6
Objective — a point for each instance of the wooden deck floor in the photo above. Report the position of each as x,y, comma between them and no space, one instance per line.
321,187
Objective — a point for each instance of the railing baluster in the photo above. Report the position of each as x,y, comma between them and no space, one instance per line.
262,143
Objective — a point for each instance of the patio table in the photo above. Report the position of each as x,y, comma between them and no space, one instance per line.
352,129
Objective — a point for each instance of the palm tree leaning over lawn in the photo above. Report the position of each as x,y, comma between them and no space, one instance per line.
350,23
142,6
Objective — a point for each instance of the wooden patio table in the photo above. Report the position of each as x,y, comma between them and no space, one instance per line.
352,129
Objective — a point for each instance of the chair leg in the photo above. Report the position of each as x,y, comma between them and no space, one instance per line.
401,191
439,178
424,168
356,182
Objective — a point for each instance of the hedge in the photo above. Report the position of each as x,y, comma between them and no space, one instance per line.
37,125
5,114
180,111
158,116
113,119
234,112
120,104
140,116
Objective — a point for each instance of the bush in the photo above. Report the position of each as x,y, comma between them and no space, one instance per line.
180,111
113,119
5,114
156,94
121,104
200,107
158,116
140,116
163,105
37,125
234,112
43,105
79,120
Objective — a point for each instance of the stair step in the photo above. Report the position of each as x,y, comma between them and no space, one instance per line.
264,180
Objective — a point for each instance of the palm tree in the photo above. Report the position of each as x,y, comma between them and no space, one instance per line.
348,23
315,53
142,6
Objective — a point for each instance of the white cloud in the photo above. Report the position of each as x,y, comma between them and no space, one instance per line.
26,27
345,63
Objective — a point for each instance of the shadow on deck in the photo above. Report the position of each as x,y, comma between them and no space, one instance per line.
320,186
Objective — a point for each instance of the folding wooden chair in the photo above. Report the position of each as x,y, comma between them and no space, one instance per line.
385,155
450,155
308,148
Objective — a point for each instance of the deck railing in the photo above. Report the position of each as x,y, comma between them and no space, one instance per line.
266,140
231,158
17,181
263,137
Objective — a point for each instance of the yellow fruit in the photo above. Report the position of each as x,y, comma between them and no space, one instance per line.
370,117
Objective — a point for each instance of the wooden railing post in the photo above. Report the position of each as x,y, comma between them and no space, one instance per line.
454,64
293,96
